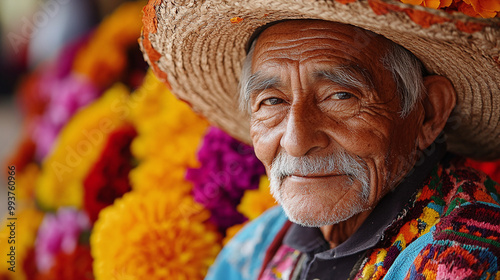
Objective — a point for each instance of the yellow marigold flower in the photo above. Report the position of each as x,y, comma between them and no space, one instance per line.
26,227
104,57
157,173
169,134
175,145
146,102
255,202
164,123
79,145
153,235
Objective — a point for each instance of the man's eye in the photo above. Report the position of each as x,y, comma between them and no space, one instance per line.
272,101
341,95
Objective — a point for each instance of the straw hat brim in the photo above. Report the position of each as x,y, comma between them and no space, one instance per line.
198,47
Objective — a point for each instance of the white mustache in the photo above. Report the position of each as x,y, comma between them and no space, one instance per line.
341,163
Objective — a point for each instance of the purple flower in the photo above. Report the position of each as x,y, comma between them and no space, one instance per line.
228,168
59,231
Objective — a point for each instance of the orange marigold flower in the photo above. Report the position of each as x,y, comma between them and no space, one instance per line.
236,20
412,2
104,57
474,8
435,4
485,8
445,3
153,235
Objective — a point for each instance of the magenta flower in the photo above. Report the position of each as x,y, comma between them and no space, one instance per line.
58,231
228,168
64,93
65,97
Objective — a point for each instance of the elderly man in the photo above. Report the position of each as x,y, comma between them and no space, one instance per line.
349,126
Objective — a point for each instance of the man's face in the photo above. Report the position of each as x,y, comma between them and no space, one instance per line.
325,120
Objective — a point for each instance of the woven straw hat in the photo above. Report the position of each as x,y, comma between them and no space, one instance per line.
198,47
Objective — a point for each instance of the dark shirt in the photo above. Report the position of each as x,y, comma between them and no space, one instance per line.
323,263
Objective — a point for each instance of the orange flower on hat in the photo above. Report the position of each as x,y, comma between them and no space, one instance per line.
485,8
435,4
154,235
474,8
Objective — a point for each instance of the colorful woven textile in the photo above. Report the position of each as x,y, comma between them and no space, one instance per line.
451,230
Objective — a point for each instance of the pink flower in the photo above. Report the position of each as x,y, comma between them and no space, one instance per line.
63,93
65,96
58,232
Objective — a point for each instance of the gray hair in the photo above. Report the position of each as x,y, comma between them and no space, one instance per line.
406,69
245,80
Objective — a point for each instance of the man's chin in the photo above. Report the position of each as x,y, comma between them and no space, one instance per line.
308,221
318,214
320,205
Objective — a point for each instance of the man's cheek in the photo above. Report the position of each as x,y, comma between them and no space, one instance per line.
261,145
367,145
266,144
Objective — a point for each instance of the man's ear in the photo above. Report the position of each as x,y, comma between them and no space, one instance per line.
438,104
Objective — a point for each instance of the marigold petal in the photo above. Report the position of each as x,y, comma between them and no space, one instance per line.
412,2
434,4
166,234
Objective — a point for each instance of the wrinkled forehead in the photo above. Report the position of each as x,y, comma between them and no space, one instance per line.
322,44
300,35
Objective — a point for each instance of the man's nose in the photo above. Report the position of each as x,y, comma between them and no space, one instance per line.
304,132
